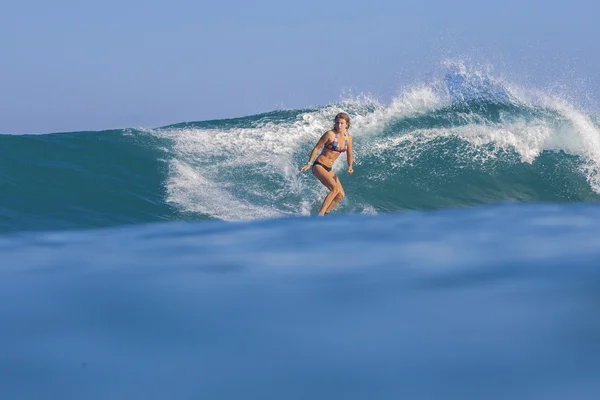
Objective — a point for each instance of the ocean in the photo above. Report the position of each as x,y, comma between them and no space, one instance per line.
187,261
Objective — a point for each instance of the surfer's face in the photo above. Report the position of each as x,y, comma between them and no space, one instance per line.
341,124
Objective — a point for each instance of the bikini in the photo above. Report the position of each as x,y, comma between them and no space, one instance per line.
333,146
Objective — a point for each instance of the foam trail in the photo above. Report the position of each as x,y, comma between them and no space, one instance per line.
205,197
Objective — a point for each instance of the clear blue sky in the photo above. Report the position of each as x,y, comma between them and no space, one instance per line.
70,65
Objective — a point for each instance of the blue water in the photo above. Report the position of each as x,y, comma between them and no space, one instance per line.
186,261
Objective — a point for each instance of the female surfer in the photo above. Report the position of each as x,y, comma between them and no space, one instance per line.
335,142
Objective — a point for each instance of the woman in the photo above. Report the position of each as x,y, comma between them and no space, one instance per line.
336,142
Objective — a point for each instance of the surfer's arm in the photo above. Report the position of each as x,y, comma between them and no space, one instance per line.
349,155
315,150
319,144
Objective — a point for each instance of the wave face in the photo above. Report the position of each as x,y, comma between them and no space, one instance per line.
465,139
80,180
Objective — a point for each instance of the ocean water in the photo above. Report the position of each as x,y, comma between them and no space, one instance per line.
186,261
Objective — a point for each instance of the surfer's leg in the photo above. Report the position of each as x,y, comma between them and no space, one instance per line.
328,179
338,197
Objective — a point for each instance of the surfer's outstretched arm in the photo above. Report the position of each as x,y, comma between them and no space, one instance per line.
349,155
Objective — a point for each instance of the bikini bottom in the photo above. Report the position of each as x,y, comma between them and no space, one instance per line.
328,169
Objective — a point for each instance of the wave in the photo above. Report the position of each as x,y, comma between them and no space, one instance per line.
467,138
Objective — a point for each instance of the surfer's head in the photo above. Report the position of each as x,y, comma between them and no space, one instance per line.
342,117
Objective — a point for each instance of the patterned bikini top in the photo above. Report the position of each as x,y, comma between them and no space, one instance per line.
334,146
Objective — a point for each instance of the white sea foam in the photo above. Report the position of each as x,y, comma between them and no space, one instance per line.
579,136
187,187
560,127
